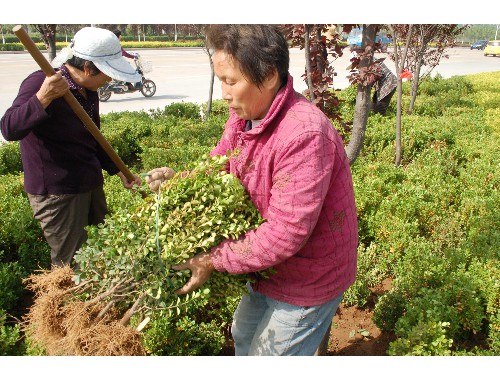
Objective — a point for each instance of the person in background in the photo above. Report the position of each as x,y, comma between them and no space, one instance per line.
384,87
62,162
118,34
292,162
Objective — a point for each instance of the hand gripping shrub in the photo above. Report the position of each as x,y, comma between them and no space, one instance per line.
125,266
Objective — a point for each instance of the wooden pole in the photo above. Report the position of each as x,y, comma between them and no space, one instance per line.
71,100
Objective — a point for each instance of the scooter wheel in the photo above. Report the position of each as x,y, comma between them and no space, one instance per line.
103,95
148,88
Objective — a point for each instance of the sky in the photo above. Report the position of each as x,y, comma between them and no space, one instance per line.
253,11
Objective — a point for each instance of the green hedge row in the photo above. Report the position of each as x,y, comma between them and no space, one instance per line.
431,225
18,46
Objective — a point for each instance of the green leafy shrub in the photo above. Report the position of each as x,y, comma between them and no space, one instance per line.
184,337
10,283
185,110
443,95
10,338
21,238
10,158
424,339
388,309
11,47
135,250
176,159
437,85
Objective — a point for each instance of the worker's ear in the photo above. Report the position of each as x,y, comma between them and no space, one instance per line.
87,70
272,81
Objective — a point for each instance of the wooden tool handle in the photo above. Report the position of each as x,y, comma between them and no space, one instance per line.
71,100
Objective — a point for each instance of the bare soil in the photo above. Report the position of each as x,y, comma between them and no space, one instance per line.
345,337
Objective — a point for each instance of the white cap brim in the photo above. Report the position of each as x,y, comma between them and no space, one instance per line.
118,69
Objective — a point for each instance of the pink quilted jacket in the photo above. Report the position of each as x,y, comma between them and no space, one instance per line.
295,170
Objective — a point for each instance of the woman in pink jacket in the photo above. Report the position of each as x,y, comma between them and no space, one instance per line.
293,165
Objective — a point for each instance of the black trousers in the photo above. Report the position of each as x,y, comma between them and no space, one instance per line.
380,105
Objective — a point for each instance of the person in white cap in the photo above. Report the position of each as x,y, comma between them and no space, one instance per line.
62,162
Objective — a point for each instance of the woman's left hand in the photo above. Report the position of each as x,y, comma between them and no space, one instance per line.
201,268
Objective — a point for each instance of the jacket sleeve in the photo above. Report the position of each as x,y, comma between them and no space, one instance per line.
106,161
300,181
26,111
128,55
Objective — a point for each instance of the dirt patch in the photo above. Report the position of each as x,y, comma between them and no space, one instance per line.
347,339
355,334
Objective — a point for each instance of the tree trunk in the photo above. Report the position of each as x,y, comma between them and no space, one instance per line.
399,63
307,48
319,60
416,74
52,48
211,87
362,107
48,34
414,86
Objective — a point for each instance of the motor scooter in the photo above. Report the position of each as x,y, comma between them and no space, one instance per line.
146,86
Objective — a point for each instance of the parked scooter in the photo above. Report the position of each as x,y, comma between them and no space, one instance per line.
146,86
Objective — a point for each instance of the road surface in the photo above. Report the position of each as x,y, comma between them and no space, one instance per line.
183,75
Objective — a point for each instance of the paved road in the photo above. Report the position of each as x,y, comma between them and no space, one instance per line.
183,75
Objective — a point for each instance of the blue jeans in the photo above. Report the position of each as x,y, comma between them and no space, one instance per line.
263,326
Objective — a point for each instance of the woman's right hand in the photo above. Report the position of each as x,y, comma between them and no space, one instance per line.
53,87
156,176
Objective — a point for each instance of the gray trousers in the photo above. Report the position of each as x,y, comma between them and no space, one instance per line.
63,218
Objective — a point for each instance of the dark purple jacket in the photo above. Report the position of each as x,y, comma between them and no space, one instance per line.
59,154
128,55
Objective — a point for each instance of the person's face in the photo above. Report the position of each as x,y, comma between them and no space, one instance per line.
93,82
244,97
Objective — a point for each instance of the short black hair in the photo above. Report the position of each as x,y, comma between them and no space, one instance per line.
117,32
259,49
80,63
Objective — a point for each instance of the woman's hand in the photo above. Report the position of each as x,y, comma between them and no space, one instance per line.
201,268
156,176
53,87
130,184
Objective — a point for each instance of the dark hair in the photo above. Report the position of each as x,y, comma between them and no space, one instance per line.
80,63
117,32
259,49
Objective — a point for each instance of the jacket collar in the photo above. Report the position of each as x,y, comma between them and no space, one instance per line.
276,106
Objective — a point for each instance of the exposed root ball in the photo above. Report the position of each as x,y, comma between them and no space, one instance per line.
63,325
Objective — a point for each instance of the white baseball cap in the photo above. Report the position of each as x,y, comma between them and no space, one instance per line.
103,48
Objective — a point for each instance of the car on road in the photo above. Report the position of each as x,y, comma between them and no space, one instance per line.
354,39
479,45
493,48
